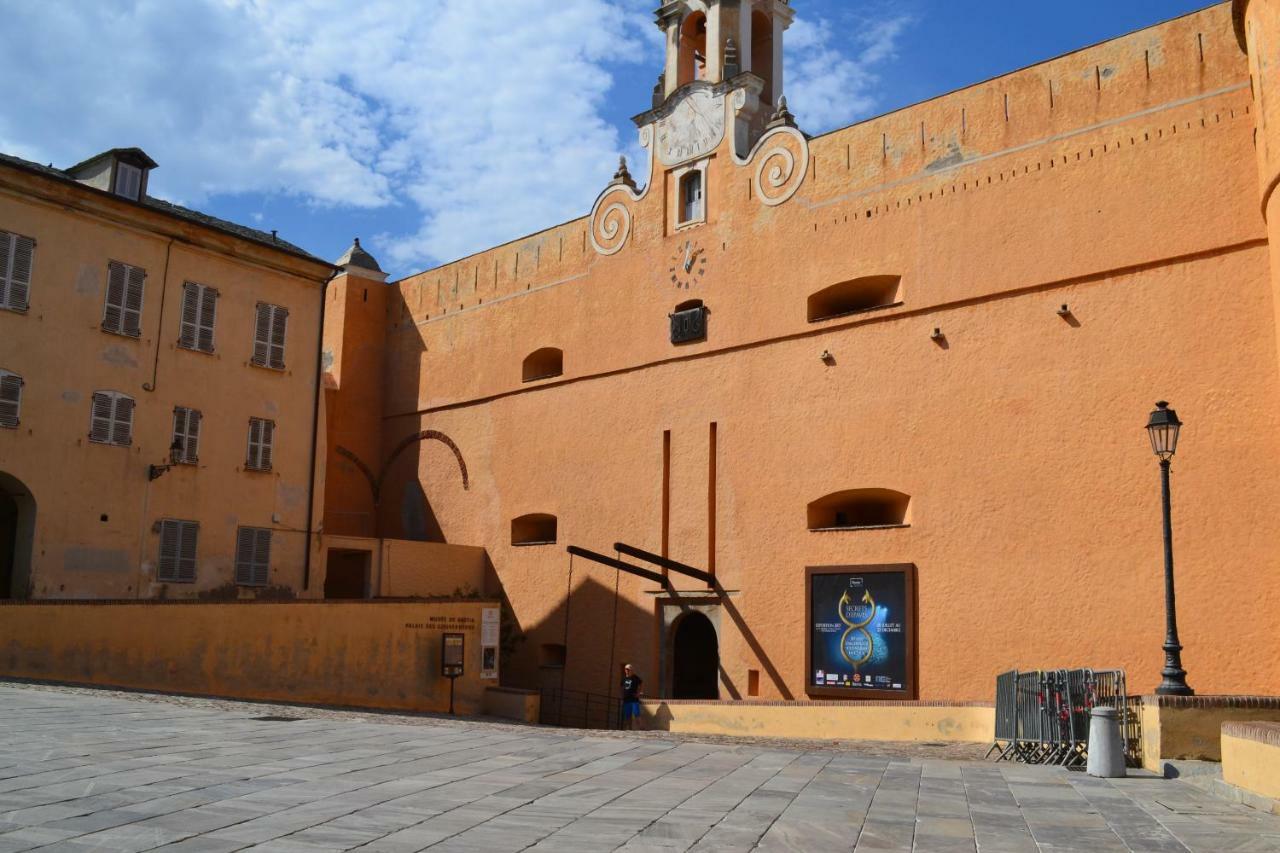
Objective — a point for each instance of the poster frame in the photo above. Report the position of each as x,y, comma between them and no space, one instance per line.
910,621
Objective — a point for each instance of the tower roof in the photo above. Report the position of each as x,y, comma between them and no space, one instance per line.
356,256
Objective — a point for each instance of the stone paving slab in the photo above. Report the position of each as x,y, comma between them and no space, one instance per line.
84,770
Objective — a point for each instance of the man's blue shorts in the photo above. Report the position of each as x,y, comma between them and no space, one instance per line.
630,709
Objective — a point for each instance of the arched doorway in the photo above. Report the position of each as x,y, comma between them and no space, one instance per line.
17,532
695,655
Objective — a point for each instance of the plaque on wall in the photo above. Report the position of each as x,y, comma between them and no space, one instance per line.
689,325
860,625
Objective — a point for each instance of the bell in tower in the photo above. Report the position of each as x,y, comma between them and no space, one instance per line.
716,40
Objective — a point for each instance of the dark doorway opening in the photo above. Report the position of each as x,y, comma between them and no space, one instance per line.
695,659
8,542
347,575
17,533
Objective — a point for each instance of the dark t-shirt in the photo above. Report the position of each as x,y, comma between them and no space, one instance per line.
631,688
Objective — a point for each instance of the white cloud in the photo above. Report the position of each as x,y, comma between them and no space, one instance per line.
831,76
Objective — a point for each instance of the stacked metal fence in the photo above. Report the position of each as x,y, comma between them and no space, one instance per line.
579,709
1042,716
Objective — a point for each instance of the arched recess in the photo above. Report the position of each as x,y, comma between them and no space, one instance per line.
762,52
692,63
17,536
859,508
854,295
376,481
695,658
536,528
542,364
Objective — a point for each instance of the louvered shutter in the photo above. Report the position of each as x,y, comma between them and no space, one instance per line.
244,555
267,445
253,556
262,556
134,283
262,335
16,253
170,544
208,310
189,335
255,442
10,399
279,321
100,420
6,252
122,421
113,313
187,551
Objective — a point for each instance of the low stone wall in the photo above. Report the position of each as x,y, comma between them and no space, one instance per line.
512,703
867,720
1190,727
363,654
1251,757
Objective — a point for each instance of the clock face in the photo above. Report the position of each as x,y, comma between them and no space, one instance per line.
688,264
693,129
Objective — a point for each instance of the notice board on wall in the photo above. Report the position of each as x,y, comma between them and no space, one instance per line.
860,625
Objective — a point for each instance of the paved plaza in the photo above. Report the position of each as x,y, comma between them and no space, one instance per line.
84,770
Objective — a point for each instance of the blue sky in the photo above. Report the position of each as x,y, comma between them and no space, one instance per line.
441,127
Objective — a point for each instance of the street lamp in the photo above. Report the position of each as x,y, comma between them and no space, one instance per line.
1163,428
155,472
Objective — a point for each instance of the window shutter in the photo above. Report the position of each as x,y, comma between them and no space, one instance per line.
208,309
10,399
113,314
16,254
253,556
255,441
186,433
244,555
279,320
100,421
268,442
170,545
189,334
261,556
6,252
133,301
262,335
261,436
187,551
122,421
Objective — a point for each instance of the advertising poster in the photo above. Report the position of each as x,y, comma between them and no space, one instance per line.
861,631
490,631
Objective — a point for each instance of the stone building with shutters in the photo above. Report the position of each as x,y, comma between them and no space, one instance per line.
159,392
919,350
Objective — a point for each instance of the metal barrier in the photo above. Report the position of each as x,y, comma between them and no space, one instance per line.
579,709
1042,716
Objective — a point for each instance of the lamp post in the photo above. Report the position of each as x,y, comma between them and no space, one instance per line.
1163,428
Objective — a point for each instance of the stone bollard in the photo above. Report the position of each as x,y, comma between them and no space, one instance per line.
1106,746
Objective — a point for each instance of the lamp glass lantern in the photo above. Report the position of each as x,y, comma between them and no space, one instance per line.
1162,428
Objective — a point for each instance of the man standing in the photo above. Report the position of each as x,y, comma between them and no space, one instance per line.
630,698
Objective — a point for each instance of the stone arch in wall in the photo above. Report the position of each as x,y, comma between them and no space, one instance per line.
415,513
695,657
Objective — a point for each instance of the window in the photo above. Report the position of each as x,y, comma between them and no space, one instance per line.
552,656
199,305
268,337
123,312
859,508
253,555
111,420
10,399
850,297
177,550
543,364
691,197
262,435
186,435
16,253
533,529
128,181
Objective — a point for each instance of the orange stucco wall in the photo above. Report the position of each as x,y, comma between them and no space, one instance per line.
378,655
399,568
1120,180
96,510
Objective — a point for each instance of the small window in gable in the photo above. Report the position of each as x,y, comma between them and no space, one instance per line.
850,297
543,364
10,399
859,508
199,306
186,435
691,197
268,336
552,656
262,437
253,556
122,314
16,256
177,551
111,418
128,181
533,529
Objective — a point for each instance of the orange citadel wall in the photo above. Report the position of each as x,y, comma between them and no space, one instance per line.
1120,180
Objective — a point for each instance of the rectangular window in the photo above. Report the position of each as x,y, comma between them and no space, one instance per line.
111,421
16,255
10,399
128,181
268,336
199,305
253,556
123,312
262,436
177,551
186,435
691,197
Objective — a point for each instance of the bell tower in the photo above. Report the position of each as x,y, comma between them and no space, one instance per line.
716,40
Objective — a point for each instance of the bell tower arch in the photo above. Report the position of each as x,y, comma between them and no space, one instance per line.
716,40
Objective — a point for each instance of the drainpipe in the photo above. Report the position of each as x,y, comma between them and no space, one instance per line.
315,430
164,290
